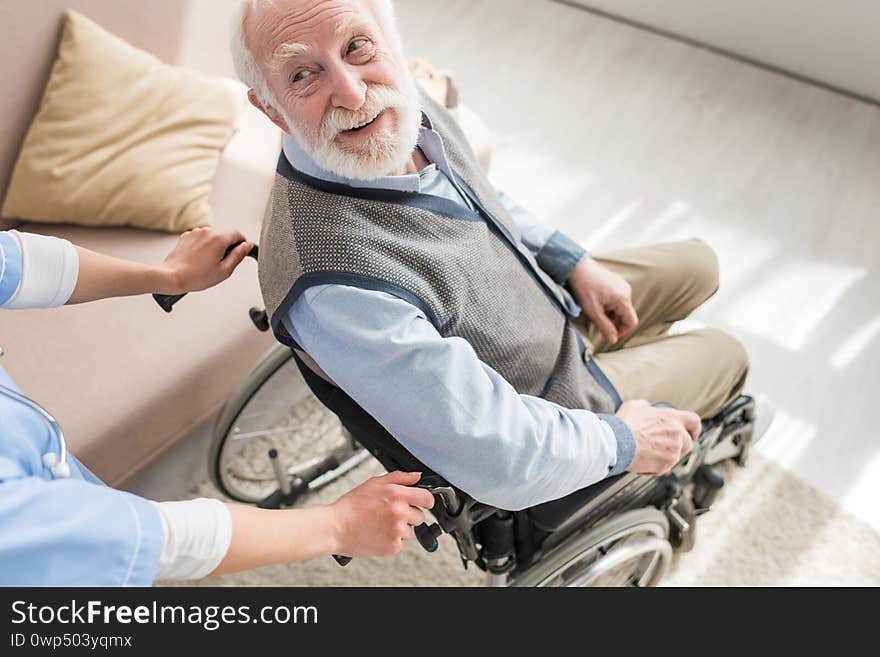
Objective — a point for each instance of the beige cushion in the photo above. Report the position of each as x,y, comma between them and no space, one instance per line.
121,139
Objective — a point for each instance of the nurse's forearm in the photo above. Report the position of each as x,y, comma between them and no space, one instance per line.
372,520
262,537
102,276
205,536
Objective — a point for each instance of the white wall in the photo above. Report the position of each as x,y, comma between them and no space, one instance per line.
833,41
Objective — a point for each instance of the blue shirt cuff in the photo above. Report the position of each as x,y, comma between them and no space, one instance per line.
626,444
559,256
10,266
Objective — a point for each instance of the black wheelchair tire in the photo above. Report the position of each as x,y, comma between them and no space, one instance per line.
276,358
583,544
262,371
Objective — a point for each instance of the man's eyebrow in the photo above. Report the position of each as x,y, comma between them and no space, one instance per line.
287,51
351,24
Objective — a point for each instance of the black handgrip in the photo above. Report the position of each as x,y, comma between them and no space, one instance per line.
427,536
167,301
260,319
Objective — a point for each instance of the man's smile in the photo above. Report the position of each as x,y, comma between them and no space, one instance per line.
368,128
363,125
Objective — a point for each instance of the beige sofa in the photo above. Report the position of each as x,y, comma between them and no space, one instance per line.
125,380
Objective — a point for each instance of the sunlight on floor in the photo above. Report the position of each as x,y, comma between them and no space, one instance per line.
669,225
786,439
739,255
610,226
538,181
789,304
847,351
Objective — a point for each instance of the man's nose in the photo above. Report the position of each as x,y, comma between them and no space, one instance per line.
349,90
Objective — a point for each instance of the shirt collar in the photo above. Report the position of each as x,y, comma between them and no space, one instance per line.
429,141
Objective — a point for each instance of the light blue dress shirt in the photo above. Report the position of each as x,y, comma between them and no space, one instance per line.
433,394
66,532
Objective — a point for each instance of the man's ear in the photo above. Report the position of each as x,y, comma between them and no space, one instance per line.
269,111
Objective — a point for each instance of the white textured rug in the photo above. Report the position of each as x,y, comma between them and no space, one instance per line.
767,529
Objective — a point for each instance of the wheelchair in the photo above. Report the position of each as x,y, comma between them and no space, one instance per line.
621,531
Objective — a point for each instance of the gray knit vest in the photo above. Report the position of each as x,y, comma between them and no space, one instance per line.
468,272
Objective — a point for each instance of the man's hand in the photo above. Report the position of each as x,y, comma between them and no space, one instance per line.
375,518
663,435
197,261
605,298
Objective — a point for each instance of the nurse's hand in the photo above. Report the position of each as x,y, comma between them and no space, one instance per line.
374,519
199,260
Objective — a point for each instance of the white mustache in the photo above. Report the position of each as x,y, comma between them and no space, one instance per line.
377,154
378,99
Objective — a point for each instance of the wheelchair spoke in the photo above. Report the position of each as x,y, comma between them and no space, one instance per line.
631,550
236,435
281,414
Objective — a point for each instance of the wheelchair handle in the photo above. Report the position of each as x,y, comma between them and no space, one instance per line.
167,301
439,487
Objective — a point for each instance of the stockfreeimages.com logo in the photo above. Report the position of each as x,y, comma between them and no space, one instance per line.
210,617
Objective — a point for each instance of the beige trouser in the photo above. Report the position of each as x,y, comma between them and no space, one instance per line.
701,371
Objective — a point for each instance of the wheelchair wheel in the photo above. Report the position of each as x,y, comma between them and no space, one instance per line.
274,409
631,549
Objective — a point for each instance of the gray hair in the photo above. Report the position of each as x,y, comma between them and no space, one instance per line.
246,66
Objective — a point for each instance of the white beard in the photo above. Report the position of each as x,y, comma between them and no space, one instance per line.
381,154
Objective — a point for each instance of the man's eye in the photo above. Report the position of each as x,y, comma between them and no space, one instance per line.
357,44
301,75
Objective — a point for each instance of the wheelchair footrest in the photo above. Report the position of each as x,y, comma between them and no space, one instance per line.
737,422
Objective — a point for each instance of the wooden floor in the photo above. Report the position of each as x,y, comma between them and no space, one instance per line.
621,137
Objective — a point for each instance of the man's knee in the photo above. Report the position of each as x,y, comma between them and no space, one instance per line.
728,350
688,272
727,365
702,268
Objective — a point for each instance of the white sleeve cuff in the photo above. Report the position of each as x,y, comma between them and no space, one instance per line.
49,270
197,537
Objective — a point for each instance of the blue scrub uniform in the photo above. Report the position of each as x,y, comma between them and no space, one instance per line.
63,532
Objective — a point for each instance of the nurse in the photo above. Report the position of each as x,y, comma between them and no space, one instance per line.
61,526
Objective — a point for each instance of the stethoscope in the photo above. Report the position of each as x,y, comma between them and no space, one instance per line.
58,466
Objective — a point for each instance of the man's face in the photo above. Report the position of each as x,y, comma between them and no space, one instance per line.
342,91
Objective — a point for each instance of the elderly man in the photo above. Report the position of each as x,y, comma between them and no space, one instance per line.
494,350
